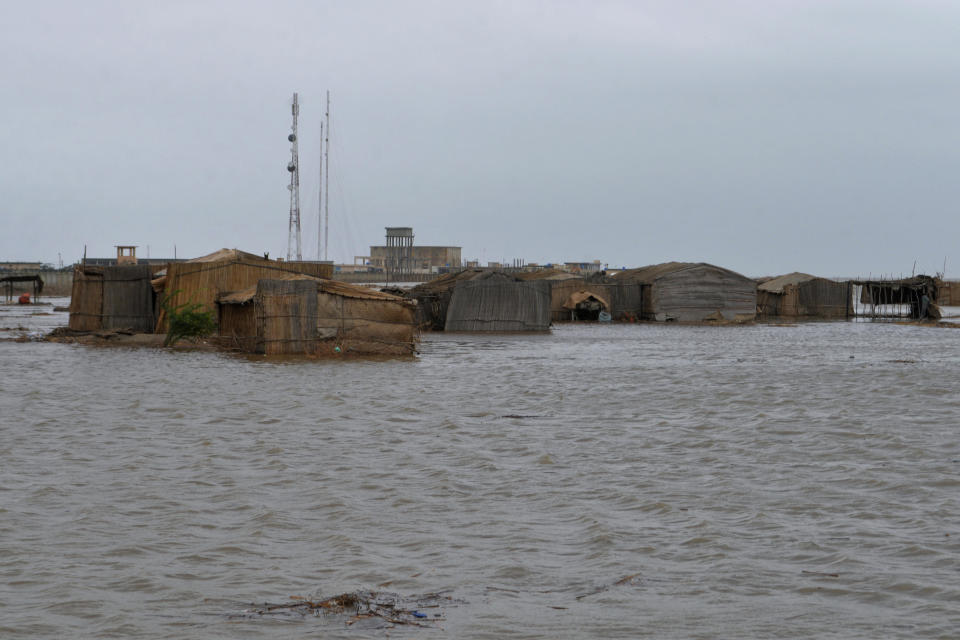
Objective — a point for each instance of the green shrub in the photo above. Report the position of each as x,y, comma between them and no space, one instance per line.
188,320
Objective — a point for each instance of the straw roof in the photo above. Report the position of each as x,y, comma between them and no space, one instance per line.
361,293
651,273
326,286
579,296
446,281
547,274
230,254
776,285
450,280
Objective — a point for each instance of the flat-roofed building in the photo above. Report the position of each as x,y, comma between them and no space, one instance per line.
422,258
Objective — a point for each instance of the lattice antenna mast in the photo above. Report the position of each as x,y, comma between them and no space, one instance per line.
293,237
320,233
326,186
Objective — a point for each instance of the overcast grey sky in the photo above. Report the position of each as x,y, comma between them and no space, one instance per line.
765,136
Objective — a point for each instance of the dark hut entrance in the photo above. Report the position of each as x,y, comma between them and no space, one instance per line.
587,307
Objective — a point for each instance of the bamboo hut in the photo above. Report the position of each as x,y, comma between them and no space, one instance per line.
113,297
496,301
801,295
202,280
693,292
302,315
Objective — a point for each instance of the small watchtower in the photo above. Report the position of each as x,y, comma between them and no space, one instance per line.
126,254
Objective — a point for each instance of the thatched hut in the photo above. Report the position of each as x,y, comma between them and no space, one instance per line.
496,301
801,295
112,297
297,314
202,280
433,298
622,300
693,292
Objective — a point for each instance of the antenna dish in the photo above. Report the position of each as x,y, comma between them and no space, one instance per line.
291,167
291,137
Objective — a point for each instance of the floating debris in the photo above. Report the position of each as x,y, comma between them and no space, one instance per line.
632,579
388,607
821,574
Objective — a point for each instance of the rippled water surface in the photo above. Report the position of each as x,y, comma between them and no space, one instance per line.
601,481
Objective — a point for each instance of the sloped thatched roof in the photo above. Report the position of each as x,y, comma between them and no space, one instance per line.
577,297
547,274
327,286
362,293
230,254
447,281
776,285
651,273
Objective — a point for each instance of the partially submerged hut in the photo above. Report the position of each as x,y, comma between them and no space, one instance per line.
433,298
202,280
801,295
497,301
113,297
622,300
298,314
505,302
693,292
887,297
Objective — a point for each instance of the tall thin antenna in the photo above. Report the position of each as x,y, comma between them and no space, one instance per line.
320,233
326,187
293,237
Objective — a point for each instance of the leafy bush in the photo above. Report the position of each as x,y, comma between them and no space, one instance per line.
188,320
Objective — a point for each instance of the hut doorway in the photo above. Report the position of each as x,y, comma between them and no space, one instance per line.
585,306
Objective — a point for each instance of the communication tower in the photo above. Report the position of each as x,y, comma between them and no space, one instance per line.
293,238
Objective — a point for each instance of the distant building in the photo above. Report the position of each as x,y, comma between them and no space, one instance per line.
414,258
583,267
24,266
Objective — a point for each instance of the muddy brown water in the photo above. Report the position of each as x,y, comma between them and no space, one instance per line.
600,481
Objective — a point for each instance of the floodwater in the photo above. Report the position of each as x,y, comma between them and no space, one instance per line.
598,482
